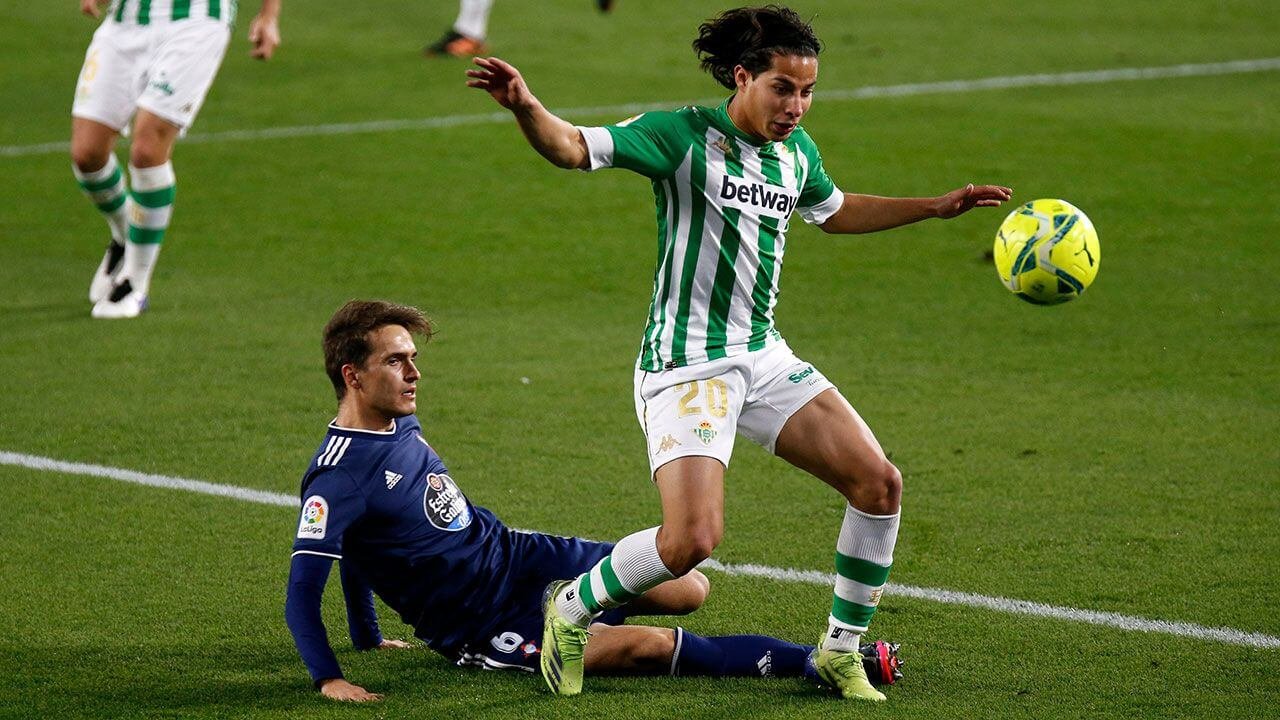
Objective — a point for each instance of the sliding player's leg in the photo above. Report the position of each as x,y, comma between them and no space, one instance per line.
643,650
692,490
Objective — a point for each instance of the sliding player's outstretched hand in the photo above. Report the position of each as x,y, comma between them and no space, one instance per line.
502,80
958,202
395,645
339,689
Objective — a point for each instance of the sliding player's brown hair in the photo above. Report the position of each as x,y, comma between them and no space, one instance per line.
346,336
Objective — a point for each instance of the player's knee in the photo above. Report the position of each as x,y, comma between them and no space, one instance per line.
879,493
88,158
148,153
685,549
652,650
694,588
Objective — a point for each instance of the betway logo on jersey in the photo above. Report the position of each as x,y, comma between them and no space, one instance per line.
744,194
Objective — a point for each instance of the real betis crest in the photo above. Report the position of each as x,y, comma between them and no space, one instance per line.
729,149
705,432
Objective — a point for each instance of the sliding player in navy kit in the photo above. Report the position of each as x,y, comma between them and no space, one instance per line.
378,498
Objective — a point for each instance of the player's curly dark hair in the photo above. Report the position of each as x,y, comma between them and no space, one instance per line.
346,336
750,37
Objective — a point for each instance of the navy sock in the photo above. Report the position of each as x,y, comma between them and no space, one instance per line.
739,656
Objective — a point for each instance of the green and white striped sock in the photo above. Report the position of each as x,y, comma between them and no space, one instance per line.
864,554
105,188
624,575
150,208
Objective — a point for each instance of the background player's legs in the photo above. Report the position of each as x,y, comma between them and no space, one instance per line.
94,163
473,18
828,439
466,37
150,207
692,490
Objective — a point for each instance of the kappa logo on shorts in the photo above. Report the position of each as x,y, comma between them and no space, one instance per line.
669,442
705,432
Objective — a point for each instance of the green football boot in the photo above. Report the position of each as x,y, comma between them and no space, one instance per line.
844,671
562,646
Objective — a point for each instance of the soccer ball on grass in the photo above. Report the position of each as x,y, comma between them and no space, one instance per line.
1046,252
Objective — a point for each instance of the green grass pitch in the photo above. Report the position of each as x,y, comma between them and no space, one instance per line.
1118,453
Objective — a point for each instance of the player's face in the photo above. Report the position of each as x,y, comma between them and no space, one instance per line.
388,382
776,99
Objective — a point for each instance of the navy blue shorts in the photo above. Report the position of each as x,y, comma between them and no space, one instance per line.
516,640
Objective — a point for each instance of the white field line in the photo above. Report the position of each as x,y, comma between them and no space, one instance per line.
1088,77
812,577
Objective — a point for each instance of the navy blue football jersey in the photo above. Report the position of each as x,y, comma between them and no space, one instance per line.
383,503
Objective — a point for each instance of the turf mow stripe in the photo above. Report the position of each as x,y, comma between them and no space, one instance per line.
1003,82
1013,606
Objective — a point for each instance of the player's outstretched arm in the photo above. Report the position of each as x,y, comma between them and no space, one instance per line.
308,574
264,30
554,138
869,213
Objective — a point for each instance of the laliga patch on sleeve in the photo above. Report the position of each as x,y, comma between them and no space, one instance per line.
315,517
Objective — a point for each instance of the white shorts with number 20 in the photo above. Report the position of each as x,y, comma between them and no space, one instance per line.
700,409
165,68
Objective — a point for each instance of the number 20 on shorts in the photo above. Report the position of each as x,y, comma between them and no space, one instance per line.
715,395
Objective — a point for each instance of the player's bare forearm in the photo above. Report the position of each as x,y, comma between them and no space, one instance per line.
869,213
554,138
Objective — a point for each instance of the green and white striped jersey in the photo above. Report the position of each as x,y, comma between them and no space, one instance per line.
146,12
724,200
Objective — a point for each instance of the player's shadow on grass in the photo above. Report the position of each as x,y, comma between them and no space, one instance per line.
67,311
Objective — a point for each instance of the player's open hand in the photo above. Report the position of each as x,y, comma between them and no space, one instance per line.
503,81
92,8
264,33
387,644
339,689
958,202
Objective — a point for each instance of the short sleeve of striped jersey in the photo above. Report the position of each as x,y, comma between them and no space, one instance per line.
819,198
651,144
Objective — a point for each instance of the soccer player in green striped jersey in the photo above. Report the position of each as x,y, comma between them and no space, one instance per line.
711,364
150,64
